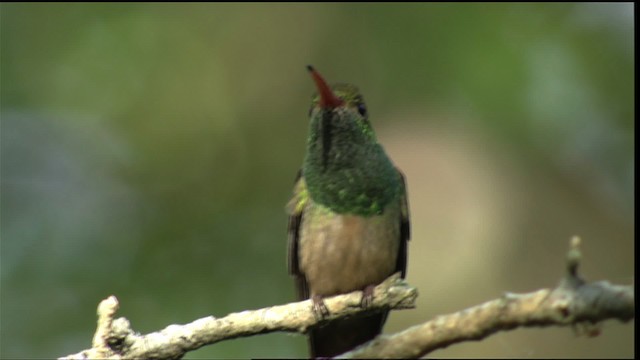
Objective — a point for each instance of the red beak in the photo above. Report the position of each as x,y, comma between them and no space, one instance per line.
327,98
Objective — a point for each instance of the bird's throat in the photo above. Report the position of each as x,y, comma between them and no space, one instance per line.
349,179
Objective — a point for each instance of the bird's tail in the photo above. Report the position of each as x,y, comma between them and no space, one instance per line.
342,335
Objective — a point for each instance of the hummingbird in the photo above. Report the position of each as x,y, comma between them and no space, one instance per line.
348,216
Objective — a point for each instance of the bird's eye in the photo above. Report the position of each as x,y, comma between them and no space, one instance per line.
362,110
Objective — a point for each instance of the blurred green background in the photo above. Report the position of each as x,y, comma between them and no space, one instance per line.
148,151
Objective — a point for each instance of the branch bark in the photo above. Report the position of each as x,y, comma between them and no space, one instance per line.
573,302
115,339
583,307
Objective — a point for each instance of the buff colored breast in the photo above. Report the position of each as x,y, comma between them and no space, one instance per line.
342,253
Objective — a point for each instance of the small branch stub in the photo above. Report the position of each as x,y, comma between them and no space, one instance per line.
574,256
106,311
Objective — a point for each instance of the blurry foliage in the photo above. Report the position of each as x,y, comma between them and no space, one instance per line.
148,149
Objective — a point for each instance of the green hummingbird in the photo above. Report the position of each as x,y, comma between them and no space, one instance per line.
348,217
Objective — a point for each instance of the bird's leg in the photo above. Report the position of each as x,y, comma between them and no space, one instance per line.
367,296
319,308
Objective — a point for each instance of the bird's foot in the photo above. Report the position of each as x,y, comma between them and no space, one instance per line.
367,296
319,308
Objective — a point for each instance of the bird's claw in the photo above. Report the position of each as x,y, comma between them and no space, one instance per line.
320,310
367,296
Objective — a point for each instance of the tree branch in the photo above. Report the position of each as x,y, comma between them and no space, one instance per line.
115,339
573,302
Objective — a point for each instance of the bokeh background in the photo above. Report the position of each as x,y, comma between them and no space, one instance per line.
148,151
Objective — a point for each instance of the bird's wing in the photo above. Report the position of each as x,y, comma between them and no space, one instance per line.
295,208
405,228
